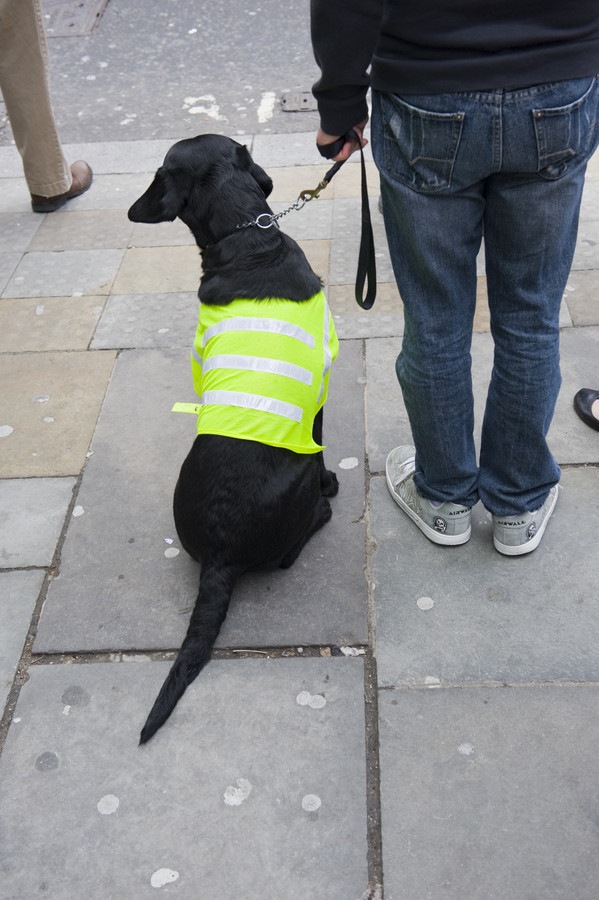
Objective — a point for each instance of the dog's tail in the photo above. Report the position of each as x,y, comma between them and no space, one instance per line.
216,586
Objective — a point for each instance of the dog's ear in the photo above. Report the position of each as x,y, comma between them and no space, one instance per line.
162,201
258,174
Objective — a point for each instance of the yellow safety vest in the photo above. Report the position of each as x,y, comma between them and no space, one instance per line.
261,370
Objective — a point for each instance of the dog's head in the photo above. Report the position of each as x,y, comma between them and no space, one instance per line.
210,182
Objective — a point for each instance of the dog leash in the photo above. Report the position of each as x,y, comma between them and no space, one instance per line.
366,257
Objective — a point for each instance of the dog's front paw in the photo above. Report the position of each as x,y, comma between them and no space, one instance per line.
329,485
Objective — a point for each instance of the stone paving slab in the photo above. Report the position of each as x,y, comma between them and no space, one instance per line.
571,441
312,222
273,150
17,230
589,208
18,595
53,323
247,792
119,157
288,181
468,614
64,274
346,242
175,268
565,318
318,255
15,196
147,270
148,320
32,513
348,182
135,596
8,264
11,166
585,255
581,297
384,319
387,423
490,793
52,403
104,229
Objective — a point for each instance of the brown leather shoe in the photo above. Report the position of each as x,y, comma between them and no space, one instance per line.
82,179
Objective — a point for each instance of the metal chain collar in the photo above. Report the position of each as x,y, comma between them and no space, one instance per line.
267,220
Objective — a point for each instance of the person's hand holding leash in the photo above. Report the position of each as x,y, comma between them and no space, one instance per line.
340,148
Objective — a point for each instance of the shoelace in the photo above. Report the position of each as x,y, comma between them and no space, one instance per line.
406,470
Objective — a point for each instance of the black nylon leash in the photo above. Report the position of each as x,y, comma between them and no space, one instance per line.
366,257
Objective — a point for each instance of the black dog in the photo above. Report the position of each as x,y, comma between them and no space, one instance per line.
239,504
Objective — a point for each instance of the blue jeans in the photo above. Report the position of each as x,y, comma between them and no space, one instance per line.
508,164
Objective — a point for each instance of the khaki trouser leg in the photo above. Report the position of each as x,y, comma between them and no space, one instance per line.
24,85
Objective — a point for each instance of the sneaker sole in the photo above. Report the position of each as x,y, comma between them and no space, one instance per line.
447,540
529,546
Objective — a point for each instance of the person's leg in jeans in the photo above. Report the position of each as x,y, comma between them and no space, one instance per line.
24,86
433,203
531,222
439,184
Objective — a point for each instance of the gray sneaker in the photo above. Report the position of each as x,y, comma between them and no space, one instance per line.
447,523
515,535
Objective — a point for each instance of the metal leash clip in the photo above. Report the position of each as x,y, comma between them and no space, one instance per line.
314,193
304,197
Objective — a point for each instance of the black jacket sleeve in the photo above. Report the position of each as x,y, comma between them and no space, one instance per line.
344,36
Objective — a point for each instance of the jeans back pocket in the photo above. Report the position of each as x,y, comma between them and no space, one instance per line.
566,133
420,146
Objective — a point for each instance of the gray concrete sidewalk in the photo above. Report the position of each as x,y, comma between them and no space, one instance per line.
386,716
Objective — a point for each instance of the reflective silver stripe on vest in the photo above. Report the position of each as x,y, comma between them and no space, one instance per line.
326,339
273,326
259,364
252,401
196,355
